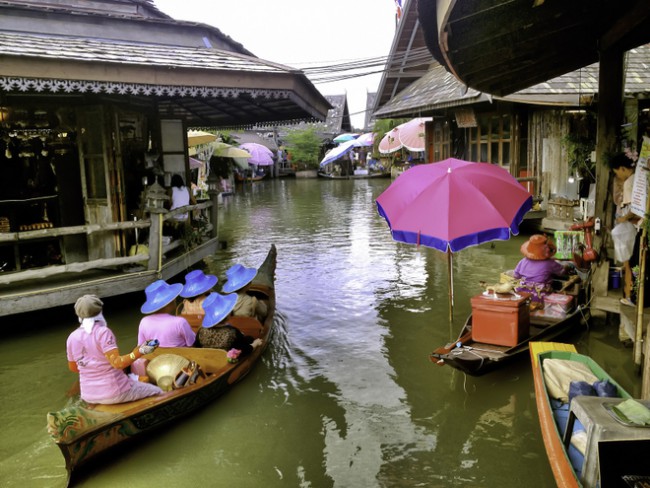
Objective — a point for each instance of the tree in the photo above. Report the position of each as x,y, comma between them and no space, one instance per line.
304,146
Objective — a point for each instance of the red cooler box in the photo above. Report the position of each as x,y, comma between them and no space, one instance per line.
500,321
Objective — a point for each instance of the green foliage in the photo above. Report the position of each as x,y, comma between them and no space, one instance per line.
304,146
579,142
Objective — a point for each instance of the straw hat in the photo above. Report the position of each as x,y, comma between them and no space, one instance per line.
197,282
238,279
88,306
538,247
217,307
164,368
159,293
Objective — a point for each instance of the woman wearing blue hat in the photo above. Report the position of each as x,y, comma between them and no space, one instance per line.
215,331
197,288
160,321
247,305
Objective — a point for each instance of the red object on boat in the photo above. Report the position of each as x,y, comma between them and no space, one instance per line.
500,321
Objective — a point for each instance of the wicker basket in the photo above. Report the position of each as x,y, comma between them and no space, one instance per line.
560,209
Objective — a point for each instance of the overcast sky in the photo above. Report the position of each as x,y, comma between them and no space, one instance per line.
303,33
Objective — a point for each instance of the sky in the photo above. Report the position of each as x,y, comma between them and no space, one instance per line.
304,33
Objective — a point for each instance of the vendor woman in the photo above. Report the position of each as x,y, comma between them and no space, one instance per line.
538,268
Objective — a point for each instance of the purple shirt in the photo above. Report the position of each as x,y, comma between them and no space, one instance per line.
170,330
538,271
98,380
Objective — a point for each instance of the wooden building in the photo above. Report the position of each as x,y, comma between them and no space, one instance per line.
95,102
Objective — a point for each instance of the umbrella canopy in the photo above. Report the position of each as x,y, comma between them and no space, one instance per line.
195,163
345,137
366,139
411,134
198,137
390,142
338,152
452,205
224,150
259,154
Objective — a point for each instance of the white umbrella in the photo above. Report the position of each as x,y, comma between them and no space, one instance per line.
338,151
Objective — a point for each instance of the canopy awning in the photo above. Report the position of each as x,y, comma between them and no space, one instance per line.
501,46
206,87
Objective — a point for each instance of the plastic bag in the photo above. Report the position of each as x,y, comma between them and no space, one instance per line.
577,388
623,235
605,389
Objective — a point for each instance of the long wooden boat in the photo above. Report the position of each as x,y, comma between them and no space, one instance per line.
476,358
239,178
332,176
586,445
84,431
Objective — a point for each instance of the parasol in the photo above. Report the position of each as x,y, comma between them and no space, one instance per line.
259,155
452,205
198,137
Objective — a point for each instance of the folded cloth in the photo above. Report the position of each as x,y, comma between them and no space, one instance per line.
633,411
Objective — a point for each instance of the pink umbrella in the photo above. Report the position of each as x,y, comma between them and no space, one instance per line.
260,155
452,205
411,134
390,142
195,163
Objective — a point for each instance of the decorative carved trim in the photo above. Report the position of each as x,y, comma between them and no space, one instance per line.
44,85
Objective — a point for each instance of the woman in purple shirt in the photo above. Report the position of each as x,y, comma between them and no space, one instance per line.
538,267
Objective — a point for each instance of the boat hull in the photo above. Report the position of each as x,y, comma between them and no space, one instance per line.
552,434
477,359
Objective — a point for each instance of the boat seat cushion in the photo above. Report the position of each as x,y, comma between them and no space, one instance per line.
559,373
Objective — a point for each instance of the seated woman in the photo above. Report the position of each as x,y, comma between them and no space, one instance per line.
538,268
239,281
197,287
160,320
93,353
215,331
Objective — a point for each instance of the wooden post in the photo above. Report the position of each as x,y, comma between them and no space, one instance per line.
450,284
610,116
155,240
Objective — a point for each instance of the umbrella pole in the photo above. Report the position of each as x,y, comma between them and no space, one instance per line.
450,284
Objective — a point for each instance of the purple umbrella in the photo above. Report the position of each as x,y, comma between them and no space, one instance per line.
260,155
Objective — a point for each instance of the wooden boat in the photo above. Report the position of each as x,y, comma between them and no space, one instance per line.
248,178
84,431
476,358
332,176
587,443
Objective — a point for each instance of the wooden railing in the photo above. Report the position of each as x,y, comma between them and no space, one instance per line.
154,245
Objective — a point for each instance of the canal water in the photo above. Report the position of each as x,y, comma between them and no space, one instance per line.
345,395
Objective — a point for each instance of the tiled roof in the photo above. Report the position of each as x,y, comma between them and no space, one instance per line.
435,90
97,50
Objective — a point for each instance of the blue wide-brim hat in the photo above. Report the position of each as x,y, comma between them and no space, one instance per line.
235,268
239,279
159,293
197,282
217,307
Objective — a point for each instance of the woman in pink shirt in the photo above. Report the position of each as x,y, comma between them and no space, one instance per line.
161,322
93,353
